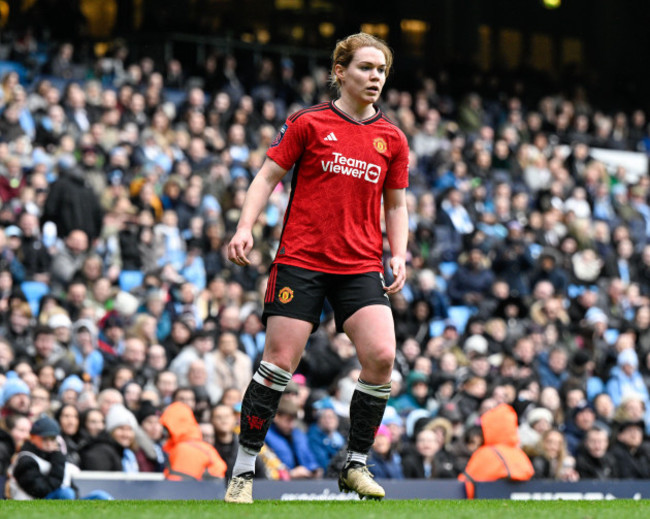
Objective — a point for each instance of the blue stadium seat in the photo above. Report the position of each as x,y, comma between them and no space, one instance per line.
610,335
34,292
175,96
130,279
13,66
436,327
447,268
459,315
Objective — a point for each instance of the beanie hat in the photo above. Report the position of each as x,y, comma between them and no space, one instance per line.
45,427
476,344
117,416
384,431
146,410
71,382
59,320
628,356
539,413
13,386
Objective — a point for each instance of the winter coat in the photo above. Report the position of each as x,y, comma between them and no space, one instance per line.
7,450
293,451
385,468
102,453
189,457
323,445
71,205
632,464
588,467
442,466
35,473
500,456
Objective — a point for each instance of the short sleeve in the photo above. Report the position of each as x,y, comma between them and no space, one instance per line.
398,169
288,145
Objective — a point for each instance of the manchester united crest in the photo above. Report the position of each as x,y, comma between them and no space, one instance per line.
285,295
380,145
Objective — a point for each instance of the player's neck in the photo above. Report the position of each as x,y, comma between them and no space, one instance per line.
356,111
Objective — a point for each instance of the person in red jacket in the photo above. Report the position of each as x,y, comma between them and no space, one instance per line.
189,457
500,456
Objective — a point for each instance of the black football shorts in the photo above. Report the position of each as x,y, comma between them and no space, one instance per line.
300,293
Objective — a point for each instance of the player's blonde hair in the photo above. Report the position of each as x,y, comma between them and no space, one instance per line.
345,49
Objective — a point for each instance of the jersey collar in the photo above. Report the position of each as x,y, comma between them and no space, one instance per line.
343,115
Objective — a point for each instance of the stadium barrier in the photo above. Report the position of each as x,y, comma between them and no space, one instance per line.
549,490
154,487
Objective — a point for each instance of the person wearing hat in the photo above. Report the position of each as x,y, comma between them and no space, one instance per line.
626,379
188,456
40,470
631,454
582,418
290,443
111,449
61,325
417,395
500,456
70,389
538,421
14,397
383,461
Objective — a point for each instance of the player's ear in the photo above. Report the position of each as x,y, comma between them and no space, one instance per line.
339,72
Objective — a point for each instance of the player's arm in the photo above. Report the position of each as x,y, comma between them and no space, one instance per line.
397,229
256,199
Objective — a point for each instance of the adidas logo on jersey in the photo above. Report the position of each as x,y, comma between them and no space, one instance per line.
331,137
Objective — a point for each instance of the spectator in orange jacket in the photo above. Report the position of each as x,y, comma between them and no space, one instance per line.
189,456
500,456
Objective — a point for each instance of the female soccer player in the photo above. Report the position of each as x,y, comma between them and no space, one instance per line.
346,155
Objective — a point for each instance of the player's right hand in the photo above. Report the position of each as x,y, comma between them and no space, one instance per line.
239,247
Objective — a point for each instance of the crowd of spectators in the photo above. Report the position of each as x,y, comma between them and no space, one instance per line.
528,273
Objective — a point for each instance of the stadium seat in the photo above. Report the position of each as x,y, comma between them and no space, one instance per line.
177,97
130,279
611,335
14,66
447,268
574,291
34,292
436,327
459,315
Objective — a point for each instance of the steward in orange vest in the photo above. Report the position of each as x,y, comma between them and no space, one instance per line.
500,456
189,457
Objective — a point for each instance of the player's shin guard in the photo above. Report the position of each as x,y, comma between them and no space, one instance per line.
260,403
366,412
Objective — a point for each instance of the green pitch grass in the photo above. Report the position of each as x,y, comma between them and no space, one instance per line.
414,509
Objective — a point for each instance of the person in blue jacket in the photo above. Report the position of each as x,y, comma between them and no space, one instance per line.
325,440
290,443
383,461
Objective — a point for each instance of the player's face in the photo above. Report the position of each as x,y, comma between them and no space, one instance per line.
365,76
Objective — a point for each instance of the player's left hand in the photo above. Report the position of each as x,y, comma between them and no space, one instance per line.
398,266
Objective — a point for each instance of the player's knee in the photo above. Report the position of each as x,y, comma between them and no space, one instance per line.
382,360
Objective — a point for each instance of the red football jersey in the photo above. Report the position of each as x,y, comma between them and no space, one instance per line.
332,223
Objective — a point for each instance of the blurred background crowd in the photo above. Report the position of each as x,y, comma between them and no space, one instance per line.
122,179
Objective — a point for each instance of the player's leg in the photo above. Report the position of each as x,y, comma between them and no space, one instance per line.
371,330
292,307
365,315
285,341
